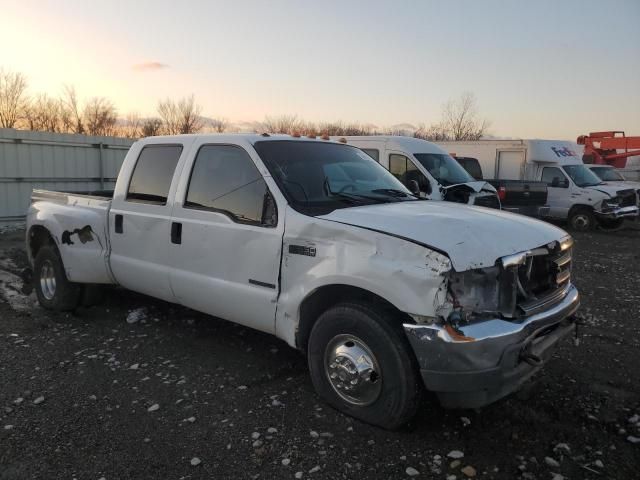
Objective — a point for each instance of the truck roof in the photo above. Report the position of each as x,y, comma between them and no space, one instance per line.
409,144
251,138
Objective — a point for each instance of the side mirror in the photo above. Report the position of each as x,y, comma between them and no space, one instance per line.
414,187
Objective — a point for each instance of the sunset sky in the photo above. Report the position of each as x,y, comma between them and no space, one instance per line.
546,69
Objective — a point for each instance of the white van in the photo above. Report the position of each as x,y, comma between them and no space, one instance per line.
438,176
575,193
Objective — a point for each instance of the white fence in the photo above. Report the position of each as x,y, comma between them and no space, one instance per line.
54,161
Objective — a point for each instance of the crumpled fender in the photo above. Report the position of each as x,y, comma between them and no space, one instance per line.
319,253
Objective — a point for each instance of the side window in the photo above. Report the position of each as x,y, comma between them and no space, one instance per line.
373,153
554,177
472,166
152,175
404,170
224,179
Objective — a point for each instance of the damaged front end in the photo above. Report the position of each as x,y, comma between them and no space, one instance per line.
497,325
481,194
623,205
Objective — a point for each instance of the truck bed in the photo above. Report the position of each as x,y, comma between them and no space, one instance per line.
521,196
79,224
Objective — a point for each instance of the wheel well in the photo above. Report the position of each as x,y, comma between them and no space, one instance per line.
39,237
576,208
328,296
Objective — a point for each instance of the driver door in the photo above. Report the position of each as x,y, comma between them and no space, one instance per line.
558,191
405,170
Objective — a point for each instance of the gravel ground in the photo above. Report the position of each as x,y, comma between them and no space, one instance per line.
177,395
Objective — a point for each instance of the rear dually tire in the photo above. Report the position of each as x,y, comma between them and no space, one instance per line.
53,288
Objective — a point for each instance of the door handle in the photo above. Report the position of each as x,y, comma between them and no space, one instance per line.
176,233
119,223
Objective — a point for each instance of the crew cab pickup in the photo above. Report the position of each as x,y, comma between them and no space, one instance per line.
316,243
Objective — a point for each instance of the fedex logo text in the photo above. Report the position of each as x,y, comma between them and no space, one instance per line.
563,152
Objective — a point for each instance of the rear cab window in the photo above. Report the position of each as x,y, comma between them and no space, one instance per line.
151,178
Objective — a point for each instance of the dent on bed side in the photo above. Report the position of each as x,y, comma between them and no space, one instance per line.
85,234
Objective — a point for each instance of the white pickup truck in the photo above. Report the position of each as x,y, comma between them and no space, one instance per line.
316,243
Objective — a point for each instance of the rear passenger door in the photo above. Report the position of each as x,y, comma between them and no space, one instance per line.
226,260
139,220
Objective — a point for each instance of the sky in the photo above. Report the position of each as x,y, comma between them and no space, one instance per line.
538,69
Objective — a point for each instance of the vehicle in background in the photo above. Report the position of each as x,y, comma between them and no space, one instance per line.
518,196
574,193
417,162
613,176
613,148
316,243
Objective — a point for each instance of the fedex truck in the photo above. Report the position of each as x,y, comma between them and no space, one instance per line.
575,193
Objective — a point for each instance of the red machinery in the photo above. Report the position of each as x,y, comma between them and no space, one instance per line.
602,148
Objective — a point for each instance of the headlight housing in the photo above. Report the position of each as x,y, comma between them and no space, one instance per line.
515,285
611,203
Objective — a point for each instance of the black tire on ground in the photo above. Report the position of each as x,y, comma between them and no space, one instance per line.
393,386
611,225
582,219
92,295
53,289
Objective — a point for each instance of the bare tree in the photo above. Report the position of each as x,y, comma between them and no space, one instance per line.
131,126
289,124
181,117
219,125
43,114
12,98
434,133
71,114
151,127
100,116
460,119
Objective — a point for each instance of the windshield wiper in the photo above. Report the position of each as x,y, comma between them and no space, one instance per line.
394,192
354,197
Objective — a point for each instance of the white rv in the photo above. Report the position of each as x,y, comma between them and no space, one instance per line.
415,161
575,193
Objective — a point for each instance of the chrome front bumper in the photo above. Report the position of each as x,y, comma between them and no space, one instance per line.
622,212
487,360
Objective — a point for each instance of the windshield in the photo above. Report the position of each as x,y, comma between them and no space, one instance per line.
443,168
582,176
607,174
317,177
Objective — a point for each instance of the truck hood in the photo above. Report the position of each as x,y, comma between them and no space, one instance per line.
608,188
624,184
472,237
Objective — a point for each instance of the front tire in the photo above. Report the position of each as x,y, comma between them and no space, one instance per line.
362,365
582,220
53,289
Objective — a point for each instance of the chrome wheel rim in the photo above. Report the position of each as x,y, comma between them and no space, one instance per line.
48,280
352,370
580,222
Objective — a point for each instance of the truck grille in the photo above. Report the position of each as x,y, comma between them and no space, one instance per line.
627,198
489,201
543,279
